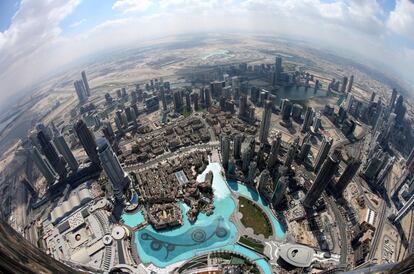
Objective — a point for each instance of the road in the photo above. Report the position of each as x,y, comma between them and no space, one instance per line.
341,224
381,217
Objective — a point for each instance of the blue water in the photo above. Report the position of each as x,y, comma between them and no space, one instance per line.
208,233
251,194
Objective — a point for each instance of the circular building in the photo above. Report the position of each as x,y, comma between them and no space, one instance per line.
296,255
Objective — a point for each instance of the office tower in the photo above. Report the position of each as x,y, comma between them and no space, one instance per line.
400,109
87,139
67,154
263,180
252,172
316,87
108,131
291,153
122,118
296,111
195,100
118,124
80,90
44,167
374,164
322,179
178,101
86,84
51,155
349,101
134,97
385,170
307,121
278,70
163,99
243,106
207,96
393,98
347,175
216,88
410,161
117,176
123,92
235,83
279,191
344,83
127,111
286,109
33,139
323,152
187,101
237,144
225,151
373,96
265,123
274,151
350,83
316,124
304,151
247,154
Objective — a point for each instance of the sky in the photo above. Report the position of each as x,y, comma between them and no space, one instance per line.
37,37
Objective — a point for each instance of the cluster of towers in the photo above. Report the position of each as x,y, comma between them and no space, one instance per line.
54,159
82,88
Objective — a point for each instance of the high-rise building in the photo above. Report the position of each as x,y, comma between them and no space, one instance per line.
187,101
322,179
296,111
44,167
291,153
279,191
195,102
278,70
323,152
67,154
237,144
304,151
347,175
178,102
350,83
225,151
393,98
243,106
80,90
400,109
274,151
265,123
117,176
51,155
286,109
163,99
252,172
407,207
264,180
344,84
87,139
108,131
85,83
307,121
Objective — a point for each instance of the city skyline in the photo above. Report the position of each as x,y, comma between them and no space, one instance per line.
73,30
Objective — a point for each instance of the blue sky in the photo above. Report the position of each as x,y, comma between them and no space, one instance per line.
48,34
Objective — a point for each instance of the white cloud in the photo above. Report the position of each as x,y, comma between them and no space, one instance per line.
77,23
401,20
126,6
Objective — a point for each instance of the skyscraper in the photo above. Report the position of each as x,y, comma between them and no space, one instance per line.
278,70
252,172
322,179
347,175
274,151
279,191
400,109
286,109
163,99
344,83
117,176
80,90
64,149
243,106
307,121
43,166
87,139
350,83
393,98
225,151
304,151
51,155
323,152
86,84
291,153
410,161
265,123
237,143
263,180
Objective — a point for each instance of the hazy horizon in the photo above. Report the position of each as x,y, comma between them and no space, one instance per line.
32,47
